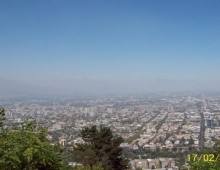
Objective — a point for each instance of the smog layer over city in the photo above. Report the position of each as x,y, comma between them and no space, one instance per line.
110,85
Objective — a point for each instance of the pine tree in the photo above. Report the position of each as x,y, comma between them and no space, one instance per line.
100,147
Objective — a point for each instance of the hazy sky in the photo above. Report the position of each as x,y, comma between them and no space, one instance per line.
109,46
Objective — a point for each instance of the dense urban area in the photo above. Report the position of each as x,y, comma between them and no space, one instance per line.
159,130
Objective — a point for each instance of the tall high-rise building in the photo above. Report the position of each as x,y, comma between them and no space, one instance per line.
218,123
210,123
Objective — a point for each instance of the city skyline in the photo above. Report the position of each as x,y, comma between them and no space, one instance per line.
54,47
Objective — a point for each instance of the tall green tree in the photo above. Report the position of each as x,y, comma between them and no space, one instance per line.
100,147
27,148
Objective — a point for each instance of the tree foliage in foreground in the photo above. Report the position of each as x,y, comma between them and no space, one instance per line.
100,147
215,165
201,165
26,148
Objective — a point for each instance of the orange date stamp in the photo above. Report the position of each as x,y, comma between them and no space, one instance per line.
202,157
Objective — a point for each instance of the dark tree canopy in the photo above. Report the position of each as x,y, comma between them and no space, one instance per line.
2,116
100,147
